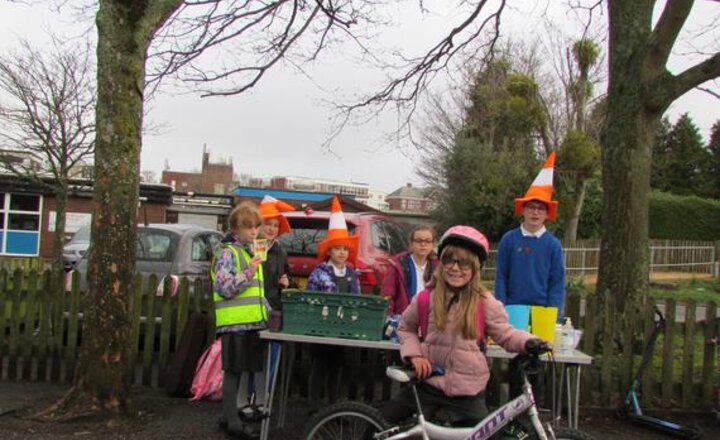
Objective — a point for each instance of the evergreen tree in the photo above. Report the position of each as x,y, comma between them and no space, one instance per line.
493,157
661,156
682,159
712,168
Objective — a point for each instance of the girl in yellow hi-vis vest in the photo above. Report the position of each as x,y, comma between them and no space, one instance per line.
240,312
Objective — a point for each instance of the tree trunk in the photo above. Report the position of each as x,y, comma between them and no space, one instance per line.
571,225
104,374
105,371
627,140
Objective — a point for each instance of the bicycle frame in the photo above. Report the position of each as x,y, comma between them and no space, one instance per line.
484,429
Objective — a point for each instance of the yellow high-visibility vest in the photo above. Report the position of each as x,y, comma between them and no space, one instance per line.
247,307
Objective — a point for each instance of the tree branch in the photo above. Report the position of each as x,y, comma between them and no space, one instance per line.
667,30
670,87
708,91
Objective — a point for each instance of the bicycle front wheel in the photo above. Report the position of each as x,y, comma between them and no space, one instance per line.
346,421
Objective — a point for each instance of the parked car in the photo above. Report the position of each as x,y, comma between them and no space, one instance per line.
381,237
74,249
176,250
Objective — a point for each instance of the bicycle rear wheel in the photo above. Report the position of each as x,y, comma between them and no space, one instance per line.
346,421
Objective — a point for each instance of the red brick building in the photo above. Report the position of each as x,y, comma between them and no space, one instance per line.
213,178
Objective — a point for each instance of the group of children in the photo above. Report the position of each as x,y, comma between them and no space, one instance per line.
245,288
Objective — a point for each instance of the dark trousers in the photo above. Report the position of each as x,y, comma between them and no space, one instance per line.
325,373
462,410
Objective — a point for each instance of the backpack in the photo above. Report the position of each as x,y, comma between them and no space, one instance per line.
423,305
208,380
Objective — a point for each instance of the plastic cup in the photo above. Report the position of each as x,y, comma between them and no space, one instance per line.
542,322
519,316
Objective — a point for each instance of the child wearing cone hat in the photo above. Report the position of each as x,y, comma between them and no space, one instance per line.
530,269
275,268
332,275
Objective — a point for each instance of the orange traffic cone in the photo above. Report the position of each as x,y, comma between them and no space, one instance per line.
338,234
270,207
541,189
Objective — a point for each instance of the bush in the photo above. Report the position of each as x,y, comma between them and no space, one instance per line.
684,217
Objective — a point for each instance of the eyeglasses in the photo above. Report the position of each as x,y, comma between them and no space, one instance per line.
449,262
536,207
420,241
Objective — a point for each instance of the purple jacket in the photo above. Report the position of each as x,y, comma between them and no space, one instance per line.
466,367
396,285
322,279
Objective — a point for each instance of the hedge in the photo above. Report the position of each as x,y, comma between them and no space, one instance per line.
684,217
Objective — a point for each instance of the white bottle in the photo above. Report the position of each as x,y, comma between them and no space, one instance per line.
567,335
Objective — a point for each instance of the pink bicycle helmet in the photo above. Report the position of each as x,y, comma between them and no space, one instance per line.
468,238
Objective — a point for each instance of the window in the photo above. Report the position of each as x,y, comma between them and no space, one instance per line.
155,245
379,238
306,234
20,224
213,242
23,202
200,249
396,237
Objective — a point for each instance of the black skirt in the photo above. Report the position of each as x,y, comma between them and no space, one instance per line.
243,352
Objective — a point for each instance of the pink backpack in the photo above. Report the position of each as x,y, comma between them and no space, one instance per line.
208,380
423,305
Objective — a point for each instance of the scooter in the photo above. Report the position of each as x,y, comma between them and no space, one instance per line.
630,410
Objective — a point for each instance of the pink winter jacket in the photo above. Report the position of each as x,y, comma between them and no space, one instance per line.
466,367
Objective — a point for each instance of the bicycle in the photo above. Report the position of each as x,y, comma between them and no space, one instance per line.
355,420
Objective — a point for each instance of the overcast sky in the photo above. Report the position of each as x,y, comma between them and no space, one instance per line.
279,127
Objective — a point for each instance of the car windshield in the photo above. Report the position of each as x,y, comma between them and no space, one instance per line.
306,234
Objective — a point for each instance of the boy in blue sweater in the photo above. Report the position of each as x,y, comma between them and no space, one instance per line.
530,269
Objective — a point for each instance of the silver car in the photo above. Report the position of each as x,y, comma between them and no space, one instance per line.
175,250
74,249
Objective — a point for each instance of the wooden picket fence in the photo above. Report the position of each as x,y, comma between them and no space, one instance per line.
41,334
685,371
42,327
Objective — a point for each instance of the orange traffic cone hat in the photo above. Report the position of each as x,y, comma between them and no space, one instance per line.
338,234
541,190
270,207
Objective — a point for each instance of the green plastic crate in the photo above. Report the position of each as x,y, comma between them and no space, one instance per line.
334,314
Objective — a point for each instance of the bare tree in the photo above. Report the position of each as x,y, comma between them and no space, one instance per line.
47,119
148,176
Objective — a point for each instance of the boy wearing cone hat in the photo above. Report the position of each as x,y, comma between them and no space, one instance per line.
530,269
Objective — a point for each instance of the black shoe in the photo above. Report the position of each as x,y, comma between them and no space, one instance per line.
252,413
247,432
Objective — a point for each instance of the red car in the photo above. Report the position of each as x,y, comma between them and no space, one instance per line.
381,237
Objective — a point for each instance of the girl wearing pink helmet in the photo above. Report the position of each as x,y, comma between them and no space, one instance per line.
453,340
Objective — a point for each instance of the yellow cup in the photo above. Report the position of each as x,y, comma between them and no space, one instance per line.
542,322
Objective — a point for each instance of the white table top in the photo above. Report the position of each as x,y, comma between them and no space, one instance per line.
493,351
